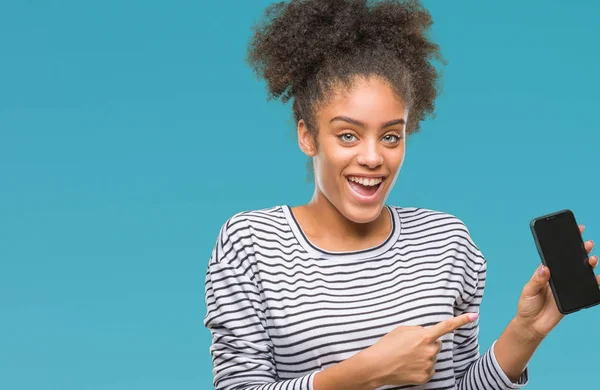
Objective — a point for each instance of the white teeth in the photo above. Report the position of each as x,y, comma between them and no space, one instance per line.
366,181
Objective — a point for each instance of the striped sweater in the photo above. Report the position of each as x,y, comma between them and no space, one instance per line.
280,309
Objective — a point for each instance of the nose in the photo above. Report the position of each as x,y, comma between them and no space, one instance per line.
370,156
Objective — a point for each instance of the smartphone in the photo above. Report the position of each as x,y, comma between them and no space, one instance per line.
561,249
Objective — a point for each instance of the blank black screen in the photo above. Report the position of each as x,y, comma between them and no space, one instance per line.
565,255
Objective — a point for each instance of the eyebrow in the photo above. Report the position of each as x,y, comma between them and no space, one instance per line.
362,124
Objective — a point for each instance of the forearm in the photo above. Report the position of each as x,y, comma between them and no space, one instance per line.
354,373
514,349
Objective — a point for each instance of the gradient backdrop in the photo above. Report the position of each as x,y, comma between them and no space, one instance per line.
131,130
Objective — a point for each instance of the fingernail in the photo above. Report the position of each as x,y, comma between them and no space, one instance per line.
542,270
473,316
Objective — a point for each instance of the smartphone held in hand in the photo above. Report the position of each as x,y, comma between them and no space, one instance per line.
561,249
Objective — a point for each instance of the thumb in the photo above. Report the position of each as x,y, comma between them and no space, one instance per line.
538,281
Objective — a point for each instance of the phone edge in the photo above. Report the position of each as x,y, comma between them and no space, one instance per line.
543,259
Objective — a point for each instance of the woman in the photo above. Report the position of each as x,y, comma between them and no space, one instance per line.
347,292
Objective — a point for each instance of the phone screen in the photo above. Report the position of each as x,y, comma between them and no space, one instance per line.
563,251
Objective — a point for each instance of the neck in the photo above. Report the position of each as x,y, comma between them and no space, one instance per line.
328,219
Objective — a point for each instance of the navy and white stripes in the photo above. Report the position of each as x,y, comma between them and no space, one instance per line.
280,309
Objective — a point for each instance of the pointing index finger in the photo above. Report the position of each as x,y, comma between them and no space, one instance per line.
444,327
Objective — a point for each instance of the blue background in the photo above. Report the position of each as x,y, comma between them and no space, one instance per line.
131,130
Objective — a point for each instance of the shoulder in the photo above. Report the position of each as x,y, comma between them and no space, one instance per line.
241,229
421,216
246,221
418,221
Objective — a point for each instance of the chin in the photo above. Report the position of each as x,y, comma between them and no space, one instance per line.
362,214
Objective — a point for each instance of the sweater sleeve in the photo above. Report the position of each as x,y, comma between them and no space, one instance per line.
474,371
241,350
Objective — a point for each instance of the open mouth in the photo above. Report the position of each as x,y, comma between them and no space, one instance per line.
365,186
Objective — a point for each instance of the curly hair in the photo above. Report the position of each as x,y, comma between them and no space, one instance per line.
305,48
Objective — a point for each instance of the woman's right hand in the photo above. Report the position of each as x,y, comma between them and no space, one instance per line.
407,355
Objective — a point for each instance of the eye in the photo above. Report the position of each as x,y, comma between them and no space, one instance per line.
347,137
391,138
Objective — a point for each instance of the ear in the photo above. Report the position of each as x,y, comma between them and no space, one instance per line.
306,140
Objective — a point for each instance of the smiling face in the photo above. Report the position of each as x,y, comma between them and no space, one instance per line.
359,148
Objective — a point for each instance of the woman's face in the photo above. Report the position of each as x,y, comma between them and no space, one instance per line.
360,148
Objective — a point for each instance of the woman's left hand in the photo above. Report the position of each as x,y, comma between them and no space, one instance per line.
537,311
